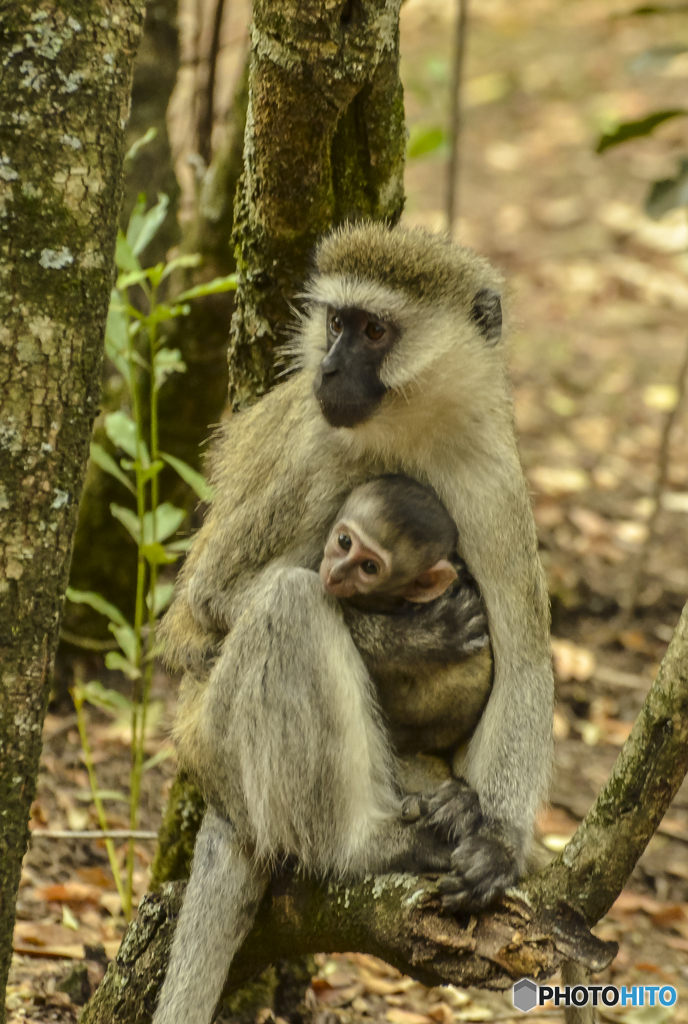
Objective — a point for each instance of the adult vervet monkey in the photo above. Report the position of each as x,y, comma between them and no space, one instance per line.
401,372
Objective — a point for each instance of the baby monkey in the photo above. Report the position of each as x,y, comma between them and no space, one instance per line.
416,615
394,543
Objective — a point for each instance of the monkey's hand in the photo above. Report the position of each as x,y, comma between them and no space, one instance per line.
483,864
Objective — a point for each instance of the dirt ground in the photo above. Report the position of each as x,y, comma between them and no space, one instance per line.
597,315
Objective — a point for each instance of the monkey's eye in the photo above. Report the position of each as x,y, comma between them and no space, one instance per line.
344,541
369,568
336,324
375,330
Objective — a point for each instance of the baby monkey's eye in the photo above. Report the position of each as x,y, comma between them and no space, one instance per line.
336,324
344,541
375,330
369,568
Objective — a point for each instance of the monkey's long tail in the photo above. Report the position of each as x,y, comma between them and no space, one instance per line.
219,908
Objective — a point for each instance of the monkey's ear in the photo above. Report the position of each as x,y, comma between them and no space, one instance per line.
487,314
432,583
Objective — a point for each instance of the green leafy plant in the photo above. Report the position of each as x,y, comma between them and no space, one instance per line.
140,303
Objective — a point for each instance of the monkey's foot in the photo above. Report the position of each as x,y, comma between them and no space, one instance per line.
452,810
483,866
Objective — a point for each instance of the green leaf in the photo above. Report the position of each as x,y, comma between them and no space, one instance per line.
135,277
636,129
190,477
163,595
158,758
182,263
124,255
106,462
151,471
117,324
218,284
117,336
105,699
86,796
168,519
118,663
98,603
148,225
667,194
181,545
126,638
156,554
425,140
155,274
128,519
121,430
133,151
162,312
167,361
136,219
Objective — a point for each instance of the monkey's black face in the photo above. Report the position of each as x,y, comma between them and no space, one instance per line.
348,386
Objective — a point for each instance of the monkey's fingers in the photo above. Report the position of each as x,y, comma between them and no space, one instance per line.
482,868
414,807
452,811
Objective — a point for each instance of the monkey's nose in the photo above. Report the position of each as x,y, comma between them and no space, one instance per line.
329,366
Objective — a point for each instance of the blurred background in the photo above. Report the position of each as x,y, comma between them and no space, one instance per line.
595,254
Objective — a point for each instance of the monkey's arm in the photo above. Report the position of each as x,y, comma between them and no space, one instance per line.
510,754
445,632
271,467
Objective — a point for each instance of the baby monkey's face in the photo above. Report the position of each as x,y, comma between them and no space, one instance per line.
354,563
359,567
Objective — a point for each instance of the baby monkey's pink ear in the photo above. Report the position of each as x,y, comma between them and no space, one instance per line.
432,583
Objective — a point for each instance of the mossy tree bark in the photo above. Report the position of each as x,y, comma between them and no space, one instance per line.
65,92
324,143
533,931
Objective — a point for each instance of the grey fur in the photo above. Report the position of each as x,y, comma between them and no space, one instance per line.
210,931
280,474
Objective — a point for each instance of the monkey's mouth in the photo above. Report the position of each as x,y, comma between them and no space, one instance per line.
342,413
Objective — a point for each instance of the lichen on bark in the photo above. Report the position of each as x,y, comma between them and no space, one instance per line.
65,86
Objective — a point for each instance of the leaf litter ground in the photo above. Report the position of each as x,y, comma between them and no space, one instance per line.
598,325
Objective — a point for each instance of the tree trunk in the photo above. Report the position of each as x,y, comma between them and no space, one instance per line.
65,93
534,930
324,143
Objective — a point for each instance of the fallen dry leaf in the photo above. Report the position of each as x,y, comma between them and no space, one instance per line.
572,661
69,892
558,482
398,1016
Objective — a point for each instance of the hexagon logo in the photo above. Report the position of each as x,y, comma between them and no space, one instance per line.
525,995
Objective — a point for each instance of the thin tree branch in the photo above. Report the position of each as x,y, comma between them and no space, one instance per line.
92,833
453,169
660,484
